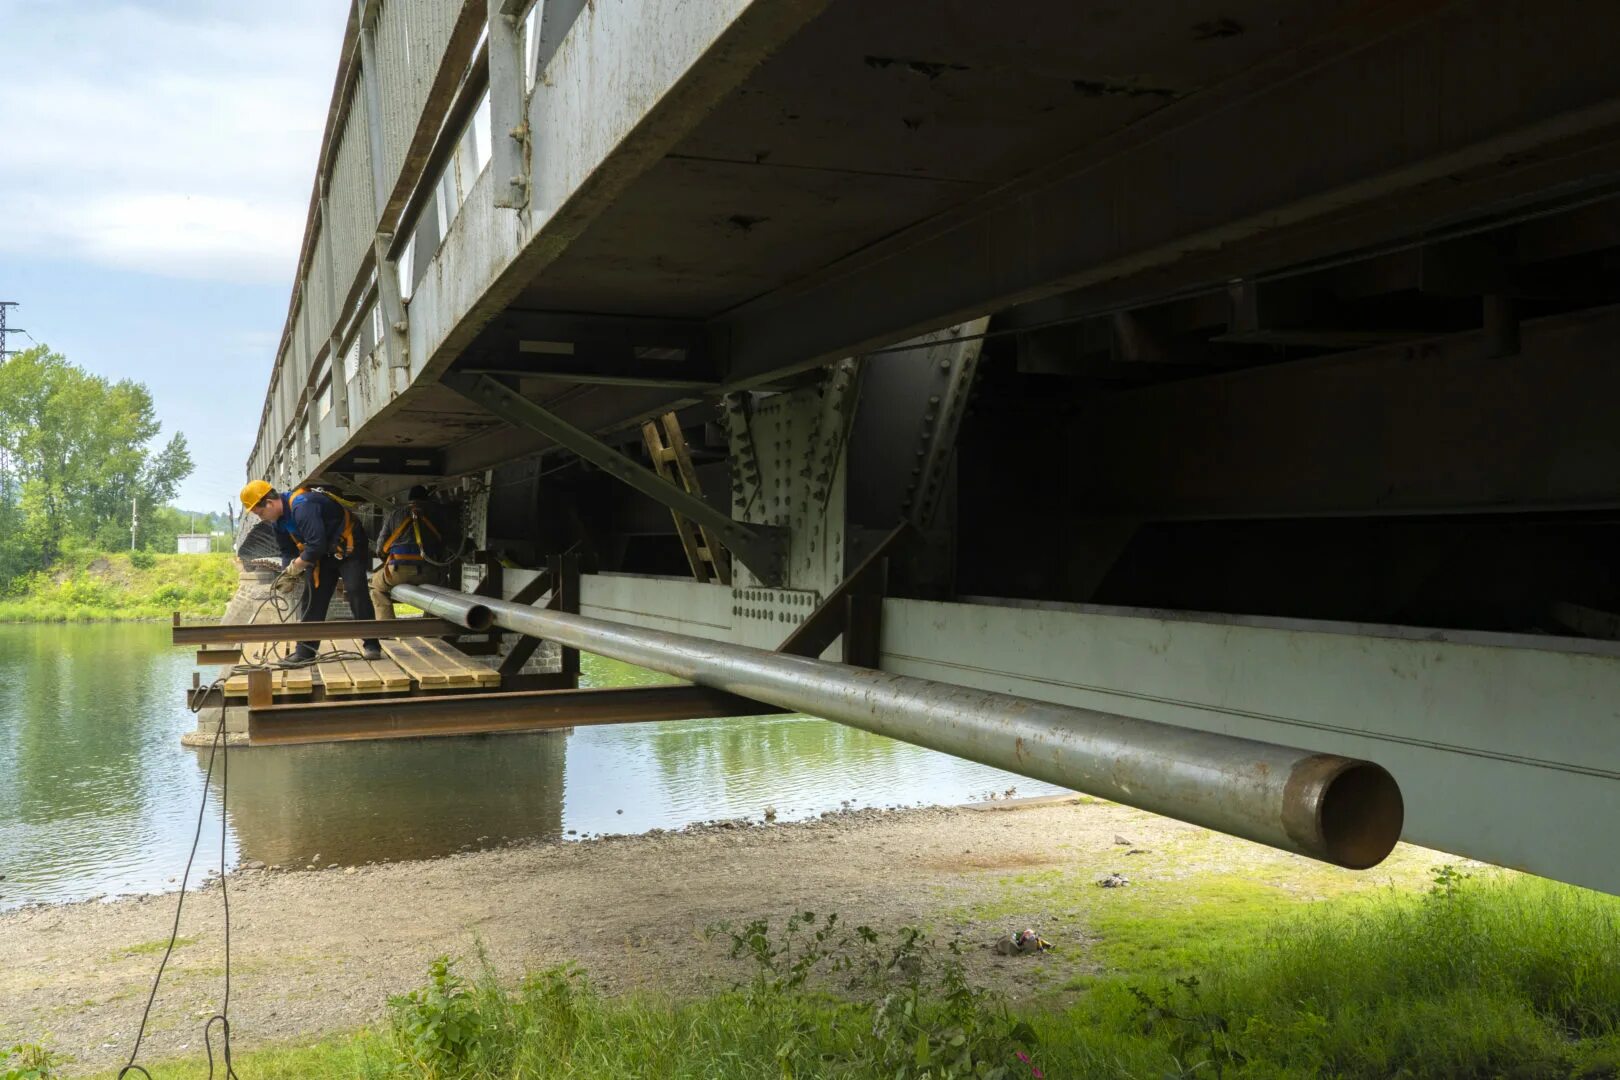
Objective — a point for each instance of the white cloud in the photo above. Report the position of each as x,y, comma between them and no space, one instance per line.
174,138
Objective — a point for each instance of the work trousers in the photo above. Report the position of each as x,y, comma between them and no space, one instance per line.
399,573
323,581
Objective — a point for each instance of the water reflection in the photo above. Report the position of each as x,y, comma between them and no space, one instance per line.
408,799
98,797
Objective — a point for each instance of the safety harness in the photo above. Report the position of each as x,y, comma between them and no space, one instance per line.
399,548
343,546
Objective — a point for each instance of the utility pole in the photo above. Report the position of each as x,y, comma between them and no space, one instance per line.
134,520
4,330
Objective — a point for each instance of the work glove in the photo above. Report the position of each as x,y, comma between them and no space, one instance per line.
289,580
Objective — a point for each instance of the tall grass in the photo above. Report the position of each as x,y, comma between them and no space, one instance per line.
1476,978
89,586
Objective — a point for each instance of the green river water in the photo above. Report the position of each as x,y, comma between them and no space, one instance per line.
99,799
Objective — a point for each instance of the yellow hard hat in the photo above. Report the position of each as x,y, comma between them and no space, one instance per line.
254,491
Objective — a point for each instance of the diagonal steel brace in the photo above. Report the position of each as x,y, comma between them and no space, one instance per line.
761,548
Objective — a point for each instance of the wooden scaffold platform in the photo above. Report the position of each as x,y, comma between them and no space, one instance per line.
436,678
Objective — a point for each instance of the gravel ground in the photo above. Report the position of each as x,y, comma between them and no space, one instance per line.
319,952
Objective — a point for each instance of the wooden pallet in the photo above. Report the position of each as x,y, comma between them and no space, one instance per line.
427,663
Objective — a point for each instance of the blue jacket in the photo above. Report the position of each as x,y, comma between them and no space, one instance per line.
316,522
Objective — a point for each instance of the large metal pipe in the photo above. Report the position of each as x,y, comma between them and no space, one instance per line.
457,607
1340,810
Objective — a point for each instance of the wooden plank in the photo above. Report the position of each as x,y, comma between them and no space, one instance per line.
448,663
480,675
379,676
359,676
422,666
366,679
284,682
299,680
335,677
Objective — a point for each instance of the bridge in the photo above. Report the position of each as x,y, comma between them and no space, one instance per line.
1245,368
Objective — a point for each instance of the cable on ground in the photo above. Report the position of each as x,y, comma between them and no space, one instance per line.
270,659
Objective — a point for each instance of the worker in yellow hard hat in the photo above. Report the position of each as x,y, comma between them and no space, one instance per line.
320,537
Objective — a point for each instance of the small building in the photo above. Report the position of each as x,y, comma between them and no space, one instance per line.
194,543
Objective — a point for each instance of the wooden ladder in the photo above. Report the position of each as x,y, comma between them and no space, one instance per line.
673,461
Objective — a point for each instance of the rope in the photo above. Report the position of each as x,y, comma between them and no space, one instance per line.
221,748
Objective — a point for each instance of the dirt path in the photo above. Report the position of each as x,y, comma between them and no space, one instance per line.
318,952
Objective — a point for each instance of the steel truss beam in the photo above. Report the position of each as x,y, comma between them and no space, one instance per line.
467,714
760,547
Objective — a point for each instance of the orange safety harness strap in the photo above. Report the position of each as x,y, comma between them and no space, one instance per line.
345,541
414,522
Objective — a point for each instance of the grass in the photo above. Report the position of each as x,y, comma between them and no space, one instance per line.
1497,975
151,948
114,587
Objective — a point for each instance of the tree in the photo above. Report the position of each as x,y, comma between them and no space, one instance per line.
76,458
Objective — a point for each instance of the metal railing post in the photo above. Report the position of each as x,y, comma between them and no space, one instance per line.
509,130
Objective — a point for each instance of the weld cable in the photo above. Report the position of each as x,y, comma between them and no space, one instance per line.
220,747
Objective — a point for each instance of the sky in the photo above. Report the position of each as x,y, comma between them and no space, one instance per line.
156,159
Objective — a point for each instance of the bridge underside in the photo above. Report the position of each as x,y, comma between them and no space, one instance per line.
1301,317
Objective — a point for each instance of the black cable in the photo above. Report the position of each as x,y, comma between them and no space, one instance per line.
180,903
220,748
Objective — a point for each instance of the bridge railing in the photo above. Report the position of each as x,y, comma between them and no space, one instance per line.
406,69
463,136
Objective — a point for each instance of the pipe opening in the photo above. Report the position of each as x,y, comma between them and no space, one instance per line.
479,617
1360,815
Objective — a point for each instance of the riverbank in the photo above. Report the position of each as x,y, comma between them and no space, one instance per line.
318,953
122,587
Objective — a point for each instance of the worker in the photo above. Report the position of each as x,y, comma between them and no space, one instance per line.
320,539
412,550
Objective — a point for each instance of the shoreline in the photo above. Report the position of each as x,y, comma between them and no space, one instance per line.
316,953
208,878
192,616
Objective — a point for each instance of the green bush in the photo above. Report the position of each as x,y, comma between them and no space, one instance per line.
437,1027
27,1061
126,585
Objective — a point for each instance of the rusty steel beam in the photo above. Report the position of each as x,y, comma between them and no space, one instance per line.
472,714
333,629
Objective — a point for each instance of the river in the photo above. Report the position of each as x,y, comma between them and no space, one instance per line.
99,799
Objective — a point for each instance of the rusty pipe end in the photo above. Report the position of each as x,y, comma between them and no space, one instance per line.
1343,810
